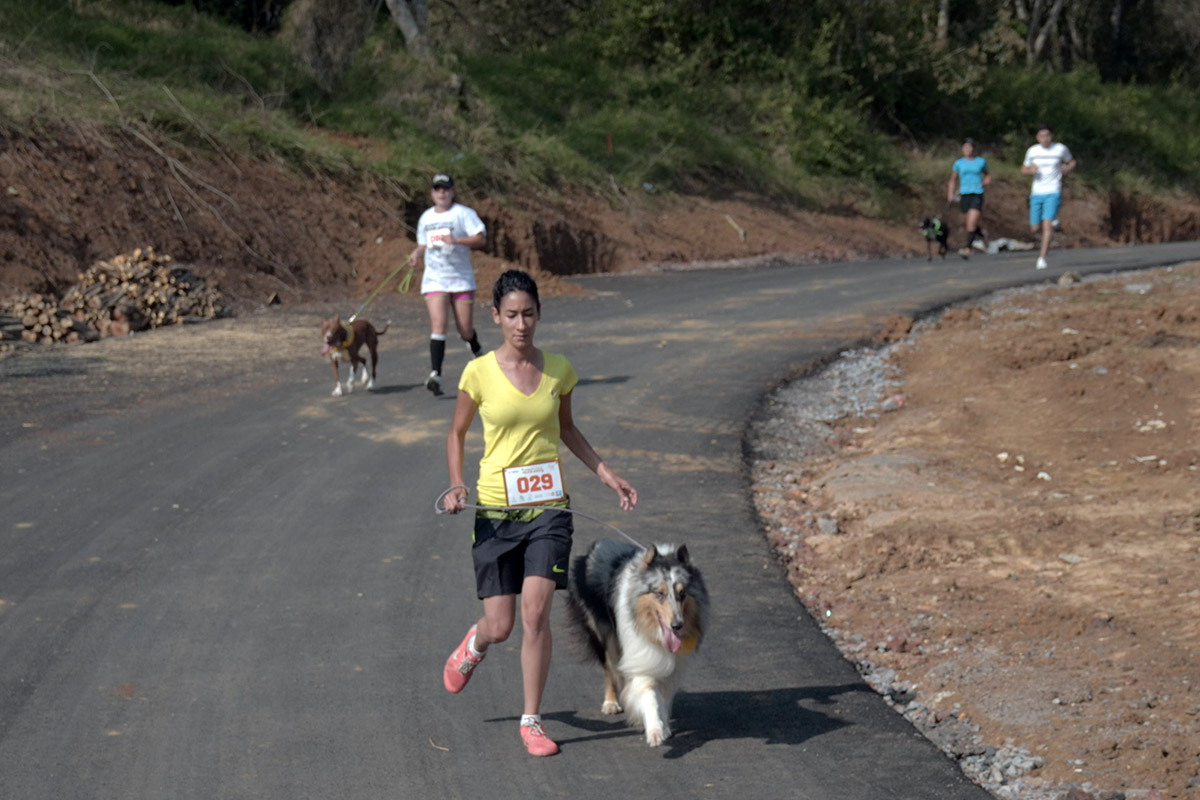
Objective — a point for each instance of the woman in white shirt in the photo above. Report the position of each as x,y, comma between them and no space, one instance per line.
446,235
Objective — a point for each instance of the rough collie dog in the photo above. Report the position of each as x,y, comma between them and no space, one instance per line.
640,613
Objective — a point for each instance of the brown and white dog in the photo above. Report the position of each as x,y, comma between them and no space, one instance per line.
345,340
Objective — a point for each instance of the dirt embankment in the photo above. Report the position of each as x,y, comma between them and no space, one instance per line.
1006,537
70,197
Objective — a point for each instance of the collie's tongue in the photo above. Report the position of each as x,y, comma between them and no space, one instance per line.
670,639
325,349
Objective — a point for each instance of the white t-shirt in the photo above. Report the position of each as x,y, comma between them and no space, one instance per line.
1049,162
447,266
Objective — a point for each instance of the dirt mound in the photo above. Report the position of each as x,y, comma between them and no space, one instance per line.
1012,555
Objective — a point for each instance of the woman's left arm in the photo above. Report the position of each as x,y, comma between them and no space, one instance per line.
578,444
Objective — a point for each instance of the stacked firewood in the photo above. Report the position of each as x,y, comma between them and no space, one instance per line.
36,318
131,292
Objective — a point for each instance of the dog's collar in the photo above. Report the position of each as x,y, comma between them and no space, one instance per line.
349,340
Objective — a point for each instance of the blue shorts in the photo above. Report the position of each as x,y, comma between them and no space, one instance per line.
1043,206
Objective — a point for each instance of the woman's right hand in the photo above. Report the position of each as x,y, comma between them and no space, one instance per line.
455,500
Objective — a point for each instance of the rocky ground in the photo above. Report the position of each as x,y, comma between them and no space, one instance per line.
995,516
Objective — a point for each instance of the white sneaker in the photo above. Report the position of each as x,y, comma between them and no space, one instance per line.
434,384
1042,263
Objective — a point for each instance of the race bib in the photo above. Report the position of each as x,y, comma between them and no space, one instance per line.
532,484
438,237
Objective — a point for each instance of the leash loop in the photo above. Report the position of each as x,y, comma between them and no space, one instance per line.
439,509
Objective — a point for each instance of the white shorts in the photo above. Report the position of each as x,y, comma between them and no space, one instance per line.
447,281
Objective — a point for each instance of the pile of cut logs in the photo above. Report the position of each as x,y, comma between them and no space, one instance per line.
37,318
131,292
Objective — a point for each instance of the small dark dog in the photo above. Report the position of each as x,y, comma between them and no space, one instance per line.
934,231
345,340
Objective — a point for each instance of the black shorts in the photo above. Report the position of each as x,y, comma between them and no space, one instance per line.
968,202
507,551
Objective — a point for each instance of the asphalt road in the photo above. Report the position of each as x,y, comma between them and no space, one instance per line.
253,599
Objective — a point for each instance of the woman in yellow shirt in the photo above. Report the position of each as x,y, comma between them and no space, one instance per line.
523,396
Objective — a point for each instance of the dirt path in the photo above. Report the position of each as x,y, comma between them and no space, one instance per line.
1013,552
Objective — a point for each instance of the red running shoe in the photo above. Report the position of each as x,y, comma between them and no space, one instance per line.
536,741
460,665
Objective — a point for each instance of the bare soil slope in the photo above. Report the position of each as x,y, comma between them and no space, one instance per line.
71,196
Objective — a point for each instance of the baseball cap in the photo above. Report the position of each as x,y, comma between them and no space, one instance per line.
442,179
968,140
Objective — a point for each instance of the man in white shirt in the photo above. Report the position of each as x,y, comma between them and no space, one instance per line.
1047,161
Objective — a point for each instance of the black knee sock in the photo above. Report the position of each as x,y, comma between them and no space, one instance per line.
971,237
474,342
437,352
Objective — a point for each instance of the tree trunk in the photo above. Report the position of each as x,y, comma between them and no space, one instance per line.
1039,22
943,21
412,18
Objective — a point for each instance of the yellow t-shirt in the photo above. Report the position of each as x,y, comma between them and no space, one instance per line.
518,429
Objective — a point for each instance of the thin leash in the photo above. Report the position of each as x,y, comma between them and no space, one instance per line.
403,288
438,509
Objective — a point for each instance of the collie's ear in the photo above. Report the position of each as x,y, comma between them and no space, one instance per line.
649,556
682,553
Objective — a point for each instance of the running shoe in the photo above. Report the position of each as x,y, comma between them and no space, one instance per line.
965,252
460,665
536,741
1041,264
434,384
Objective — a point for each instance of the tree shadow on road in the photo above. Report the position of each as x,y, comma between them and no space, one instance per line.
770,716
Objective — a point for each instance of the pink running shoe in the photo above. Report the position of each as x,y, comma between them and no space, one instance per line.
460,665
536,741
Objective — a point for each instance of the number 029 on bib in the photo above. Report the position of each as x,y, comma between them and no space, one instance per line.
531,484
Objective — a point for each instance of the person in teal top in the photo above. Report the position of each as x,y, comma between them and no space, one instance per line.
970,173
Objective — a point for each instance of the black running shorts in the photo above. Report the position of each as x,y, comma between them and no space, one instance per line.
968,202
507,551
